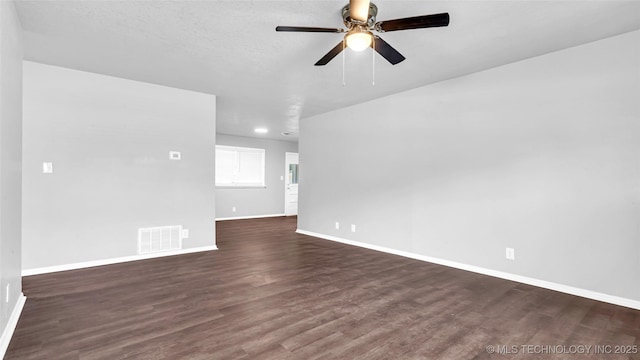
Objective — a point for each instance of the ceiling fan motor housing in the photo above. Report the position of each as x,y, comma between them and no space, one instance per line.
350,23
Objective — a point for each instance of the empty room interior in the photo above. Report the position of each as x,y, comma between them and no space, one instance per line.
320,179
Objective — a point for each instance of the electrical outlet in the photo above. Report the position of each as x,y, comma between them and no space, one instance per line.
510,254
337,225
185,233
353,228
233,209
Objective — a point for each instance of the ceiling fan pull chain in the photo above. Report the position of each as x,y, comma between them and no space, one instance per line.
344,83
373,61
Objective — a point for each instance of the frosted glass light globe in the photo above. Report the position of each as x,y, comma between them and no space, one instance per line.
358,41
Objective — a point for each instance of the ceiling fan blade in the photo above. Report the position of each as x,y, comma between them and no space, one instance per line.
331,54
359,10
416,22
383,48
309,29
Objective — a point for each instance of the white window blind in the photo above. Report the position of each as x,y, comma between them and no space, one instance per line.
239,166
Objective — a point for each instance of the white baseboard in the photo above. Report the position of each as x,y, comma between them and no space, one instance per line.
11,325
86,264
249,217
634,304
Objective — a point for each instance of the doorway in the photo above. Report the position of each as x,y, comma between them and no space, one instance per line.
291,184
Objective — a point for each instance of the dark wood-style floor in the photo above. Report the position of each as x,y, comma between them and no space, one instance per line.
269,293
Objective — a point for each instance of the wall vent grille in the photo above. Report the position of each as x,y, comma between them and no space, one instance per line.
158,239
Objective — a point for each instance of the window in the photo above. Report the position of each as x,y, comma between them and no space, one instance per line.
238,166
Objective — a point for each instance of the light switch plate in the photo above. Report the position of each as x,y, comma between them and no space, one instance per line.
47,168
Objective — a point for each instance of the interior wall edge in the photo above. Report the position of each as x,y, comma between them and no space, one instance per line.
249,217
87,264
589,294
7,334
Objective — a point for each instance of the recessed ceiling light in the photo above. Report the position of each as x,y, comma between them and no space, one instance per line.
261,130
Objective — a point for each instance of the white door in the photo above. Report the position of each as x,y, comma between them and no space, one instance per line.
291,184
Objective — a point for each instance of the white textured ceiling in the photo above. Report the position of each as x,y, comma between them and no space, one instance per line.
264,78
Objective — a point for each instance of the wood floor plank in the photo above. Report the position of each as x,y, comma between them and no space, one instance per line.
269,293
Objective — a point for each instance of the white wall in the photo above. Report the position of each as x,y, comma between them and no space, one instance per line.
10,165
109,141
541,155
256,201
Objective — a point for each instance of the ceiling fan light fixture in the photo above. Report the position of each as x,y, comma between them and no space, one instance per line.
358,39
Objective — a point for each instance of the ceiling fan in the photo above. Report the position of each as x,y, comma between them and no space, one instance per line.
359,16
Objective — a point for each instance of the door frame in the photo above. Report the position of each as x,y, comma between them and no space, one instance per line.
286,180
